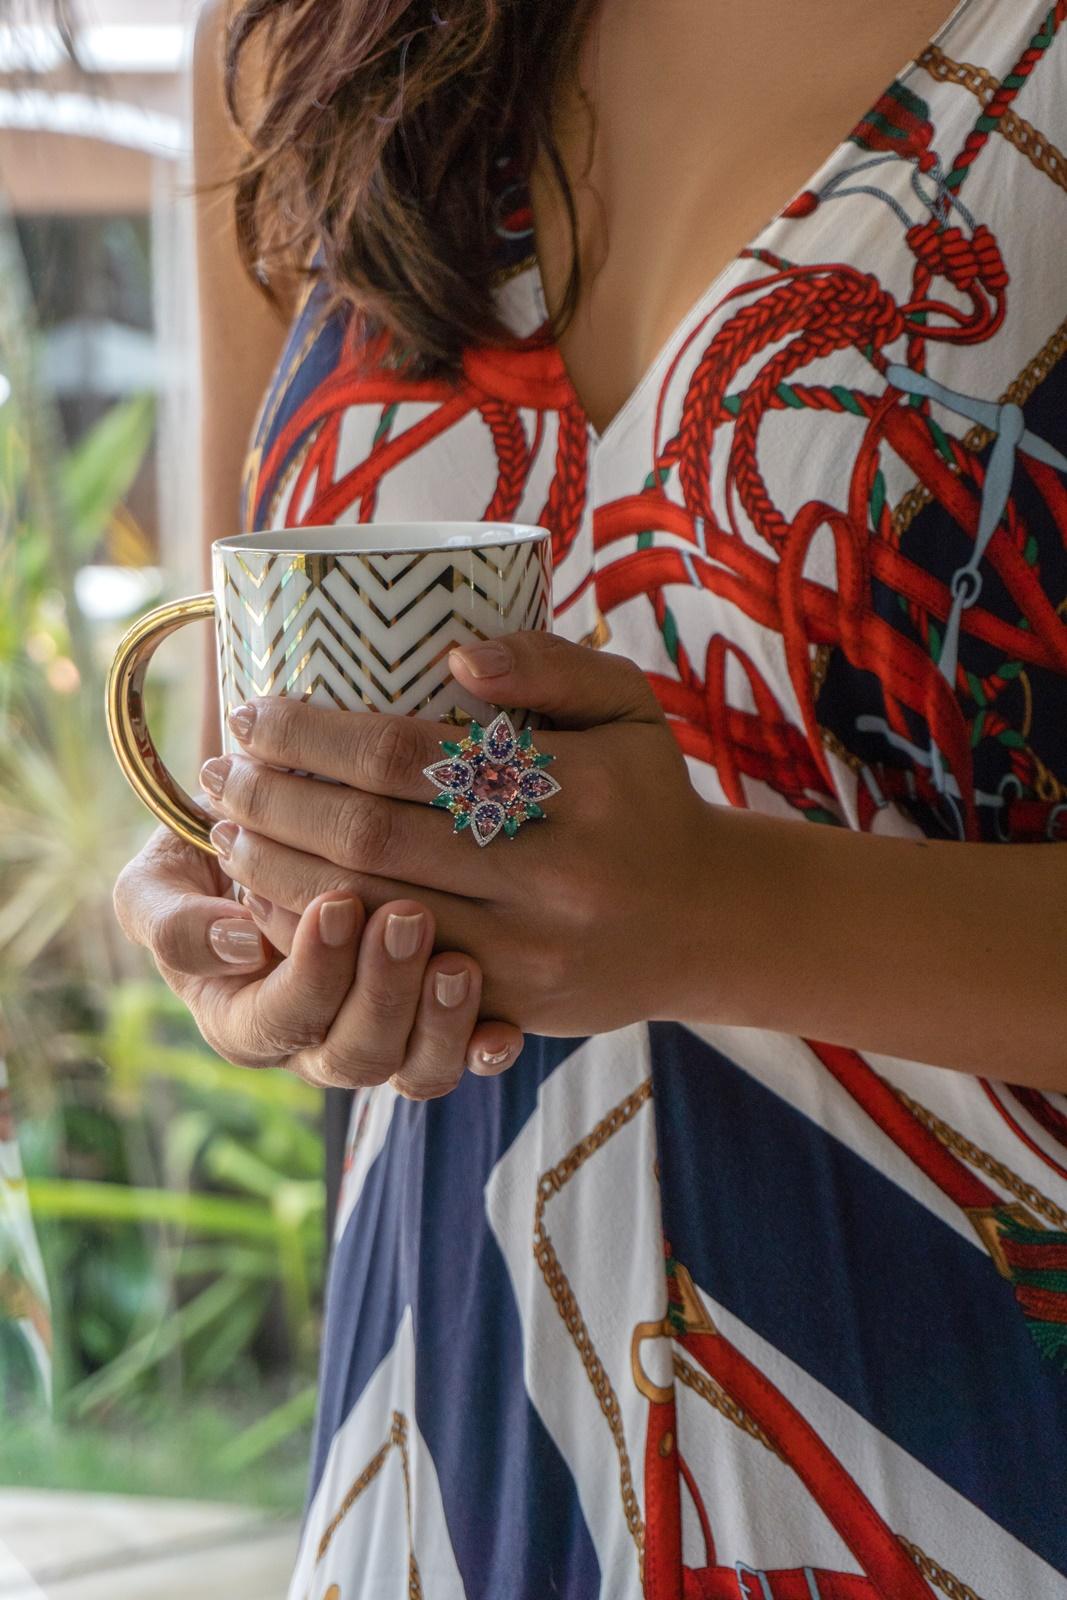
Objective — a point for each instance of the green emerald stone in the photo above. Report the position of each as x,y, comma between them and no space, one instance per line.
441,799
534,811
462,821
450,747
525,739
475,733
543,760
511,827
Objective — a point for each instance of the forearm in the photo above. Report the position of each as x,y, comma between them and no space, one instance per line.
952,954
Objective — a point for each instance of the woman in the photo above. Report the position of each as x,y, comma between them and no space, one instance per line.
747,1277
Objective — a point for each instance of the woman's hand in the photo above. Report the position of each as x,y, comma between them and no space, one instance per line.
356,1001
580,924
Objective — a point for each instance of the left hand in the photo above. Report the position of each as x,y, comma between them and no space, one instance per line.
580,924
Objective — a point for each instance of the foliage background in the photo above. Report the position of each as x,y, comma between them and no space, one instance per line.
178,1201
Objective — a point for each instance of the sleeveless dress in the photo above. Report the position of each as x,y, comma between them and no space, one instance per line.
712,1313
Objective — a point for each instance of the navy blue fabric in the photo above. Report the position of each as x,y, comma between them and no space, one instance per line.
418,1237
862,1286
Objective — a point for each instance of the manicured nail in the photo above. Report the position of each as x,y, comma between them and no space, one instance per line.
403,935
236,940
451,988
259,908
485,660
337,921
494,1058
242,719
213,775
223,836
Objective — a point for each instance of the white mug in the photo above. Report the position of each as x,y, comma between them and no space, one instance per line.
361,617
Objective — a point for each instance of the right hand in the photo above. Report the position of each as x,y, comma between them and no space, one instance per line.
338,1009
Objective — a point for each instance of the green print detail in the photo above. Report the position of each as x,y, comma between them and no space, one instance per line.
877,499
669,630
975,686
978,728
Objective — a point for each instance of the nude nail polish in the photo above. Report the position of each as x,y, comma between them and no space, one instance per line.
403,935
337,922
451,988
236,940
213,775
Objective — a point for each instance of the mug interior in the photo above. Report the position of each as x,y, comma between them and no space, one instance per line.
390,538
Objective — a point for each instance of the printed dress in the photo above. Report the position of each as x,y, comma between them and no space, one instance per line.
706,1313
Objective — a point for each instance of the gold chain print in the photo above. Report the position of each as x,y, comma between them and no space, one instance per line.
552,1183
397,1440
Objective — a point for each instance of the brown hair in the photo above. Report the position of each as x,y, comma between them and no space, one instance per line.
376,130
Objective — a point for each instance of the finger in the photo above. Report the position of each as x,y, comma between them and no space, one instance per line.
493,1048
448,1011
289,878
193,935
379,754
574,685
284,1017
368,1041
274,922
360,832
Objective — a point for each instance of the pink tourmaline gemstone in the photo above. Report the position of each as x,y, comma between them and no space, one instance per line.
496,783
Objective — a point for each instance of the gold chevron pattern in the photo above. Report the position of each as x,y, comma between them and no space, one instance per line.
371,632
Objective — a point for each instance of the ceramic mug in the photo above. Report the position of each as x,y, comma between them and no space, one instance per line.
362,617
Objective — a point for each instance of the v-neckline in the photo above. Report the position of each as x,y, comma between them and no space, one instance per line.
706,299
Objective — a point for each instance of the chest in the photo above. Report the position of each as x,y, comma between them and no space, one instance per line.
686,130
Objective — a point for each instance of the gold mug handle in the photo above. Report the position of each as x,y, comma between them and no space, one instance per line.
142,765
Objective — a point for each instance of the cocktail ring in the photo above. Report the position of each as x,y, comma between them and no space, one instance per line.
492,779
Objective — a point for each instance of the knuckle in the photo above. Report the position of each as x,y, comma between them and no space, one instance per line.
389,751
291,1036
250,781
364,833
168,937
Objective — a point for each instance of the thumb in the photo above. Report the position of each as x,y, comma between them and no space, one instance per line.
574,685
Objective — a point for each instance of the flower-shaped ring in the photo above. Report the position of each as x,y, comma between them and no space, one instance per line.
491,780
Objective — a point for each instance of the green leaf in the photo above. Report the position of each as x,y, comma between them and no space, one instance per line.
975,686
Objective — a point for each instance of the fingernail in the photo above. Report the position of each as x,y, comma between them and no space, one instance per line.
494,1058
259,908
213,774
403,935
223,835
451,988
337,921
485,660
242,719
236,940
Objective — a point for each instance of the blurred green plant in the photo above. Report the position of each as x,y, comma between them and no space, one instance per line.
178,1200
